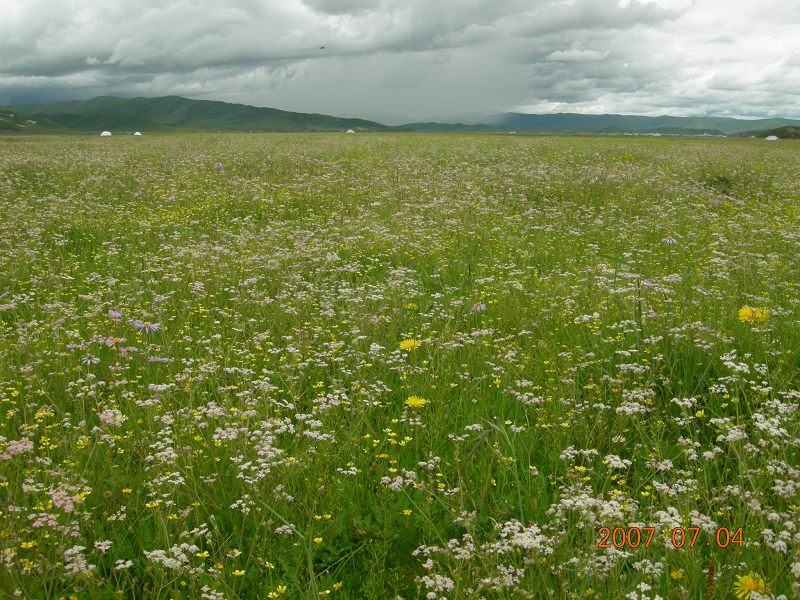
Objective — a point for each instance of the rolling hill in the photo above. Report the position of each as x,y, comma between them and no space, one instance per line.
174,113
605,124
787,132
14,121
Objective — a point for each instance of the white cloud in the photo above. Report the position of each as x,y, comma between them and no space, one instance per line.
576,54
412,57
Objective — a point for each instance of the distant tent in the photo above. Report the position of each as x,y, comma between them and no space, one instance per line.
105,133
137,133
772,138
350,131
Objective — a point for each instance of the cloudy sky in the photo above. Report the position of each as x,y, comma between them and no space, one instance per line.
412,59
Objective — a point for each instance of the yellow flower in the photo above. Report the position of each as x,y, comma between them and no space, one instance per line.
750,314
409,345
407,512
317,540
338,585
676,575
416,402
203,554
747,584
238,573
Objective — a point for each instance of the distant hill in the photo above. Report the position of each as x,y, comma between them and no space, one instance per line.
173,113
14,121
581,123
787,132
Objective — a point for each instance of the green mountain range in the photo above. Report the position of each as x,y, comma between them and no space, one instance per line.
787,132
173,113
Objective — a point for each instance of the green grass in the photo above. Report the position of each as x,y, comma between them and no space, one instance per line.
581,372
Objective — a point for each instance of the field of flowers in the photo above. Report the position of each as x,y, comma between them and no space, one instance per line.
399,366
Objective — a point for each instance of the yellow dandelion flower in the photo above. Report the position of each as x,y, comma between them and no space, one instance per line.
317,540
747,584
676,574
416,402
409,345
750,314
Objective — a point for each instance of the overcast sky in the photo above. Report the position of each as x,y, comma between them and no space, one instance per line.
412,58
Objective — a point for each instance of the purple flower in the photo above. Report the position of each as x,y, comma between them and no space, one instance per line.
669,240
158,359
145,326
478,308
218,166
113,341
114,314
90,360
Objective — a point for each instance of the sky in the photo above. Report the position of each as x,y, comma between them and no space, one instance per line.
401,60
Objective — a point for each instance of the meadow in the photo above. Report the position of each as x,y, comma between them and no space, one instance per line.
399,366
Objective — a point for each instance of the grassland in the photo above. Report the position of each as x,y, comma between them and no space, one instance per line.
398,366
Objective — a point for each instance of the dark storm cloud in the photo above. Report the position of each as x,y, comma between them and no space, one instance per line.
413,58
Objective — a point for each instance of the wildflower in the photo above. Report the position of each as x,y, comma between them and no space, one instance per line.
114,314
478,307
281,589
416,402
749,314
113,341
317,540
409,345
218,166
112,416
338,585
145,326
90,360
407,512
747,584
669,240
238,573
676,575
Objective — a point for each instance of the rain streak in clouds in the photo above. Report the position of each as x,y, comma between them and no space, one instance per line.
412,59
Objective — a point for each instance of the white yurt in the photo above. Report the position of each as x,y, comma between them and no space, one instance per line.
350,131
105,133
137,133
772,138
